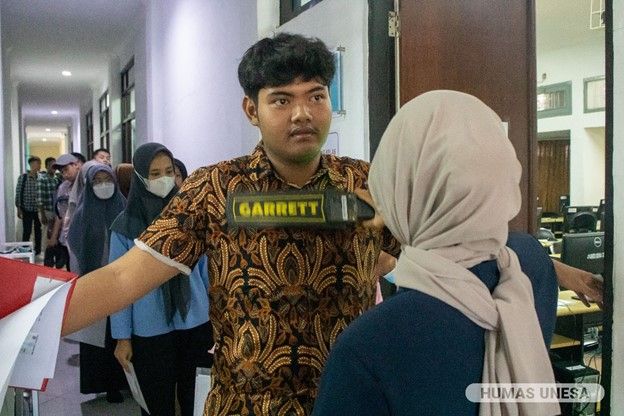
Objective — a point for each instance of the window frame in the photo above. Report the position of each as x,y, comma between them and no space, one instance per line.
586,82
289,9
566,110
104,107
128,114
89,129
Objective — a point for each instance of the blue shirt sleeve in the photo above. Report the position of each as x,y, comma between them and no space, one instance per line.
121,322
202,269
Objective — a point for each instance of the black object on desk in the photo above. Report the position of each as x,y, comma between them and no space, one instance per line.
584,251
575,373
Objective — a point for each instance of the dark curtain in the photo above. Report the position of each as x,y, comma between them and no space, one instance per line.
553,172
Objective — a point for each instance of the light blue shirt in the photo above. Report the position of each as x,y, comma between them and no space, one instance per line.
146,317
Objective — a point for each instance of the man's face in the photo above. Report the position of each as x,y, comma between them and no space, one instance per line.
35,166
103,157
293,119
70,171
50,166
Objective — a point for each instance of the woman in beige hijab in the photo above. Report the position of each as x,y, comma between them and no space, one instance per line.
445,179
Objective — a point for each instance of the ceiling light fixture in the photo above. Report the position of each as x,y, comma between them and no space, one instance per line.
54,112
66,73
44,140
48,130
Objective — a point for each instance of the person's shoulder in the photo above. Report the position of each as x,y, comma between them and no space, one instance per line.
212,178
387,323
347,165
525,243
232,166
533,258
64,187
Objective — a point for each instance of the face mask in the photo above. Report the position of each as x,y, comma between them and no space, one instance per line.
161,186
104,190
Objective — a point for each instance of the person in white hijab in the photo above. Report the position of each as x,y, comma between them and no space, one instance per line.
445,180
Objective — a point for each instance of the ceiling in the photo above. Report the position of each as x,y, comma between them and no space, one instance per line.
564,23
44,37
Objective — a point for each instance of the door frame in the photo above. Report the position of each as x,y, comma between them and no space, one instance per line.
381,71
382,107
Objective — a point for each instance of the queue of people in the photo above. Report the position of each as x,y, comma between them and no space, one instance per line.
290,311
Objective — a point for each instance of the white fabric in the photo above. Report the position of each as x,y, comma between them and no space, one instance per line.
104,190
184,269
446,180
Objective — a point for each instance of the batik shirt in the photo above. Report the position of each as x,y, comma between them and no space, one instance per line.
279,297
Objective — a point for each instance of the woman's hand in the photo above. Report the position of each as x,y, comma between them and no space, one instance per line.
587,286
385,264
123,352
376,222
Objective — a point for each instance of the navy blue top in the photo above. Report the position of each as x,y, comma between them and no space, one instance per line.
415,355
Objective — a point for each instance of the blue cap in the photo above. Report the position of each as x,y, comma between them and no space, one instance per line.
64,160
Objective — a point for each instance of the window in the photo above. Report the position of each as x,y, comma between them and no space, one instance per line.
289,9
105,121
128,123
594,90
554,100
89,126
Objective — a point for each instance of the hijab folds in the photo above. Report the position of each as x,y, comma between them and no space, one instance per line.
143,207
88,233
446,180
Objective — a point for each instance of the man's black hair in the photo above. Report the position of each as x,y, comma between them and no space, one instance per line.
33,159
272,62
79,156
48,160
101,149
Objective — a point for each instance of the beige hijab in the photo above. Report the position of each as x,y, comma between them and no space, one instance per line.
446,180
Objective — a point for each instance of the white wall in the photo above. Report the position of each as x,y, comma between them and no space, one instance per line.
193,51
337,23
2,113
587,159
75,132
617,380
96,91
14,167
134,46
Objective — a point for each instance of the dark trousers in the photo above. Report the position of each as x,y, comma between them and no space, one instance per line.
164,361
28,218
56,256
100,372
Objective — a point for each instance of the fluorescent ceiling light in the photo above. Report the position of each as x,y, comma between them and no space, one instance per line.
66,73
54,112
48,130
44,140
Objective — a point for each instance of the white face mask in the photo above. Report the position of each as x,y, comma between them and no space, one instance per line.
161,186
104,190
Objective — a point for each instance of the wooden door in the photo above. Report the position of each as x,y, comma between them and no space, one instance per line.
485,48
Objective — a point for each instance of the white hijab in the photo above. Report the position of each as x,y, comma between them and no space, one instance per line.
446,181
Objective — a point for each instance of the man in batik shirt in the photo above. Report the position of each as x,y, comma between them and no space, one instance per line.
279,297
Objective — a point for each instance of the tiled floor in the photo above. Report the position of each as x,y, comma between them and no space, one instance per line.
62,396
